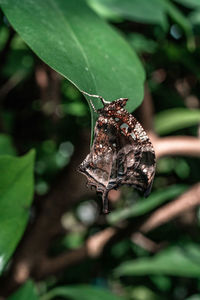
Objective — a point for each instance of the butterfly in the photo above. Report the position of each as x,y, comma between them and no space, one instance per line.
121,153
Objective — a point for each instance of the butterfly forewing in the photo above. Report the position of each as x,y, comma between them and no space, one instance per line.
98,163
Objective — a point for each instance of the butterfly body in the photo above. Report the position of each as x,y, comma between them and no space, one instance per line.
121,154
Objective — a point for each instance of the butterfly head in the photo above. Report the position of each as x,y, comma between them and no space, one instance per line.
116,105
120,103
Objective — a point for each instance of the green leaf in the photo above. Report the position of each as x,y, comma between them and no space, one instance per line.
194,297
138,10
144,11
181,20
174,119
78,44
141,44
26,292
143,293
189,3
83,292
194,17
19,64
6,145
16,192
144,206
175,261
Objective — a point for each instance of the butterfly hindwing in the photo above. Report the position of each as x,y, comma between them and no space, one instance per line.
139,159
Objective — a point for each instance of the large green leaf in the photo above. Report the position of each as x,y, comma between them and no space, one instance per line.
83,292
16,192
175,261
144,206
173,119
78,44
26,292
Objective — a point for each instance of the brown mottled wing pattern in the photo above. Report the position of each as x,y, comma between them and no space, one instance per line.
98,164
136,157
122,153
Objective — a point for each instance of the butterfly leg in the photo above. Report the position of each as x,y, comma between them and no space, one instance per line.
96,96
105,209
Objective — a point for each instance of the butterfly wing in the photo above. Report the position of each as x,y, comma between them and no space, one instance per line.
136,157
98,165
121,154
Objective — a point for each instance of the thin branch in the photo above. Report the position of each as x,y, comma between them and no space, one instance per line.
146,110
183,203
141,240
11,83
171,145
48,82
176,145
52,266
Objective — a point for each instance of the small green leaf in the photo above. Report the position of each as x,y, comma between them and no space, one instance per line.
78,44
26,292
143,293
189,3
194,297
195,17
144,206
181,20
16,192
175,261
6,145
83,292
138,10
174,119
141,44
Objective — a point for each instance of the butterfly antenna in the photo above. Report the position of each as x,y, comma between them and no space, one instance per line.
96,96
93,106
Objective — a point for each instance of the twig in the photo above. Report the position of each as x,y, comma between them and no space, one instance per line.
141,240
183,203
176,145
67,259
11,83
146,110
48,82
171,145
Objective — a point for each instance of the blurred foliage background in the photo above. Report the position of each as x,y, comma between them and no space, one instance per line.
53,258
